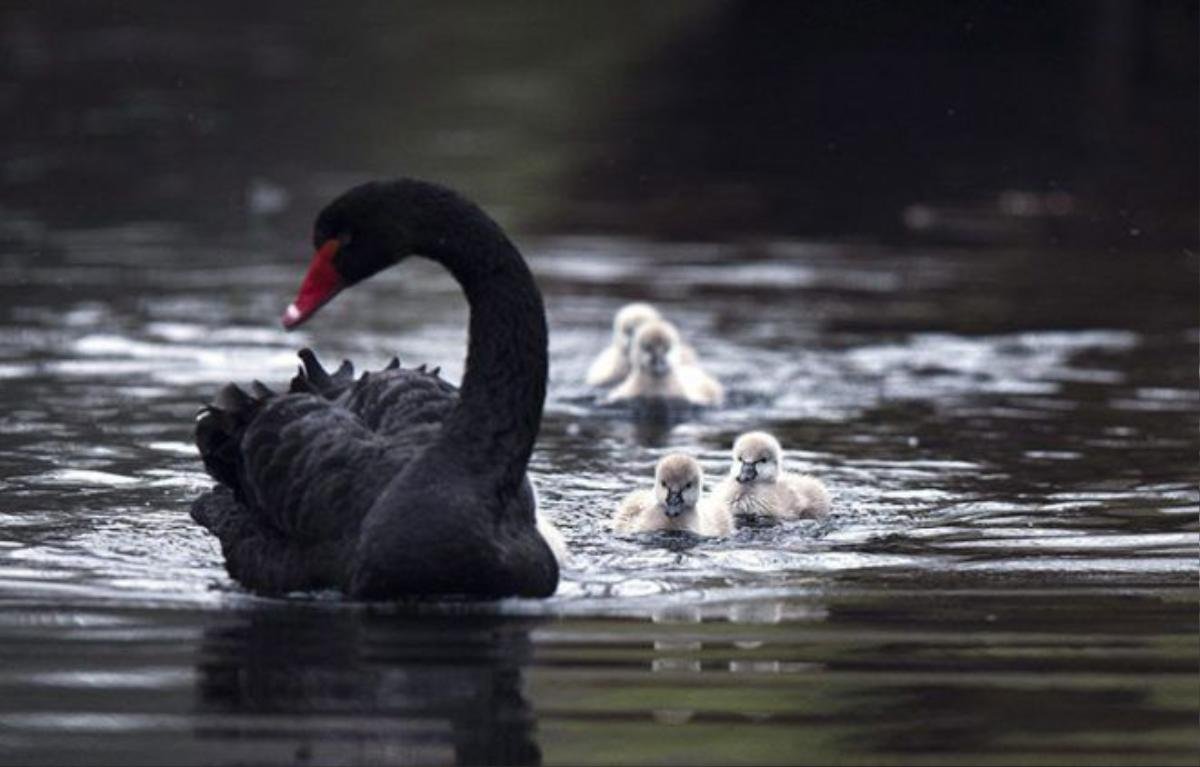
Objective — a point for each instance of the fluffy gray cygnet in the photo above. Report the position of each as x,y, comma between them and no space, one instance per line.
676,503
757,484
660,372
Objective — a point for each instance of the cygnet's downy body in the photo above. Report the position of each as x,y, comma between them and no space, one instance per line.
675,503
660,372
758,486
612,365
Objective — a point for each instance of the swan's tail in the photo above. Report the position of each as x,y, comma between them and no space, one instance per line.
220,426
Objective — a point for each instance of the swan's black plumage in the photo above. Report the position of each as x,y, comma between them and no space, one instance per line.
395,483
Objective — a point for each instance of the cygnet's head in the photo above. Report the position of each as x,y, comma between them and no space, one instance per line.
678,481
757,457
629,319
654,347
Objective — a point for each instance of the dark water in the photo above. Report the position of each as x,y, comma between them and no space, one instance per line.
1009,434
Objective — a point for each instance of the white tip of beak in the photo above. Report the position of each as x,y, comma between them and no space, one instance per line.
292,314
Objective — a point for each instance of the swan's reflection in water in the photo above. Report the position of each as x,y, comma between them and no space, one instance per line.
355,686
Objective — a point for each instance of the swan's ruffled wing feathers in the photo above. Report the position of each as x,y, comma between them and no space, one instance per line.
298,473
312,378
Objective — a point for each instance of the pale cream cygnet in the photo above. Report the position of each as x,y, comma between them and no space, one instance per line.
659,372
758,486
612,365
675,503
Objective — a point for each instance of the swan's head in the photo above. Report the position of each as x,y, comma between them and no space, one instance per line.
654,347
678,481
757,457
629,319
366,230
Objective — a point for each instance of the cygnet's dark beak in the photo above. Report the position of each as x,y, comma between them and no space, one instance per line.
658,364
748,473
674,503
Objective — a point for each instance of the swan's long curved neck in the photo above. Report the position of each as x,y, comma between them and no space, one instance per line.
492,430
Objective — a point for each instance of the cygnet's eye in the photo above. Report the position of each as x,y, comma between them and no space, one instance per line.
688,485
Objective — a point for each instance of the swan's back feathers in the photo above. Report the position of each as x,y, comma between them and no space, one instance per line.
390,402
397,400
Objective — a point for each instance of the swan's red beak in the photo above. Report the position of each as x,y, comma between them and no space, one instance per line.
320,284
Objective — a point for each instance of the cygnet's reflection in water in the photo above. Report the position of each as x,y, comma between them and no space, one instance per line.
728,644
347,686
675,655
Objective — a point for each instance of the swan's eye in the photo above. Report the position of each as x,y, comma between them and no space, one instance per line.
345,238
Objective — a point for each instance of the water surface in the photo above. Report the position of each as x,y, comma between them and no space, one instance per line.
1009,573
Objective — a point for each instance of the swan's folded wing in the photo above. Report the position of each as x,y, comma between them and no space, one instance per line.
309,464
311,469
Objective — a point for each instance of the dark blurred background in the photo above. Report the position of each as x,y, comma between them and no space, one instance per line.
1062,123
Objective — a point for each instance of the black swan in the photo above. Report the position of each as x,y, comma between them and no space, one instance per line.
395,484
